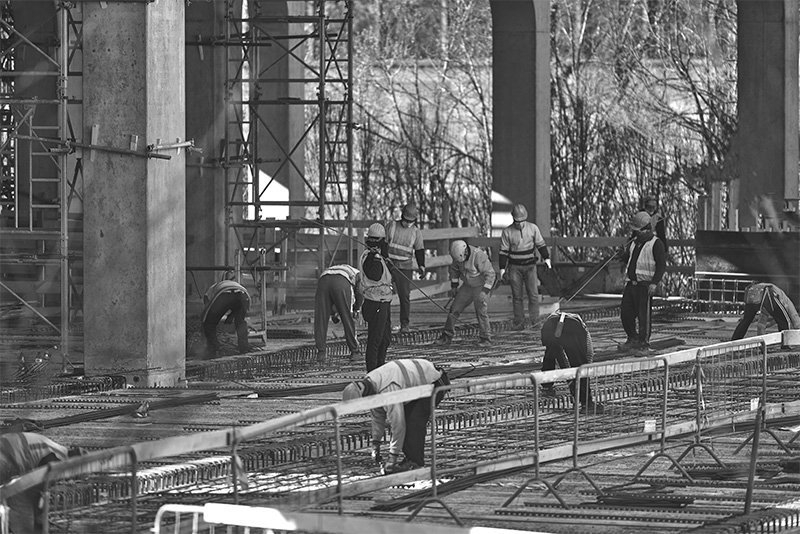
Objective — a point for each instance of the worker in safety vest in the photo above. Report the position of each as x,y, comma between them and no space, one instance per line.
568,342
225,297
761,297
519,244
405,243
471,265
408,421
646,264
376,286
21,452
337,298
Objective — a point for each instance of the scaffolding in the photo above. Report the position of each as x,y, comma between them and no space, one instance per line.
41,178
289,64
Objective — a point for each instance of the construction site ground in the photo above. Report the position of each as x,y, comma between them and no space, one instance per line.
283,376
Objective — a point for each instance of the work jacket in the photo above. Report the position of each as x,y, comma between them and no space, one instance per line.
518,246
476,271
393,376
376,290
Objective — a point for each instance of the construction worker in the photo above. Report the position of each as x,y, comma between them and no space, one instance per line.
760,297
646,264
376,286
405,244
338,297
472,266
409,420
21,452
566,334
519,243
226,296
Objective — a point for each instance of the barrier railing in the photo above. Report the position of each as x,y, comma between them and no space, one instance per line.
322,454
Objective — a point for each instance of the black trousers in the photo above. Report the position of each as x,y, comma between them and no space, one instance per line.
379,331
417,414
334,292
235,303
402,285
636,307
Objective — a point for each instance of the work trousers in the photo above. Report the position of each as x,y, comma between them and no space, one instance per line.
417,414
771,306
379,331
524,278
334,292
402,285
636,307
235,303
572,343
464,296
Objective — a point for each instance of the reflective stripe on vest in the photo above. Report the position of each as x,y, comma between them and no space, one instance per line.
377,290
646,263
345,270
401,242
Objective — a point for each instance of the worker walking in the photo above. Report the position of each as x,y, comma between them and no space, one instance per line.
408,421
225,297
376,283
765,297
20,453
405,245
646,264
565,334
338,297
471,265
519,244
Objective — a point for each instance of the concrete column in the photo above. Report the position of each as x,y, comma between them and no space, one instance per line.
205,123
521,86
134,212
768,104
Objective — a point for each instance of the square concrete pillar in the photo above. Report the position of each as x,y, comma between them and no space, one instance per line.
134,209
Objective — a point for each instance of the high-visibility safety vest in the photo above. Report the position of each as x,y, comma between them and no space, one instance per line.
21,452
377,290
646,263
345,270
520,245
402,243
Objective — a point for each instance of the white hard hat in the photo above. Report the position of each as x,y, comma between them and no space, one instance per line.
458,250
376,231
519,213
640,220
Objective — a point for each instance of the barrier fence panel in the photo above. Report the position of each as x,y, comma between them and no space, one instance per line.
633,396
484,420
730,379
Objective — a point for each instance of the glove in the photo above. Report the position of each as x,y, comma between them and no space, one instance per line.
355,315
548,263
229,318
504,276
453,289
376,452
651,289
422,270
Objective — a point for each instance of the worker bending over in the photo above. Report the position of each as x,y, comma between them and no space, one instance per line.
338,298
566,334
408,421
226,296
21,452
760,297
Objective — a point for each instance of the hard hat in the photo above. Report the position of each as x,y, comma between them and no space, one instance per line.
519,213
376,231
458,250
351,391
410,212
640,220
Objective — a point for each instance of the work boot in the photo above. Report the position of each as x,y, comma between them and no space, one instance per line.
405,465
356,356
321,356
630,344
484,343
444,339
518,325
404,329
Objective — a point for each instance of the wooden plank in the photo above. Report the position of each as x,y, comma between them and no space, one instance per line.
435,234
